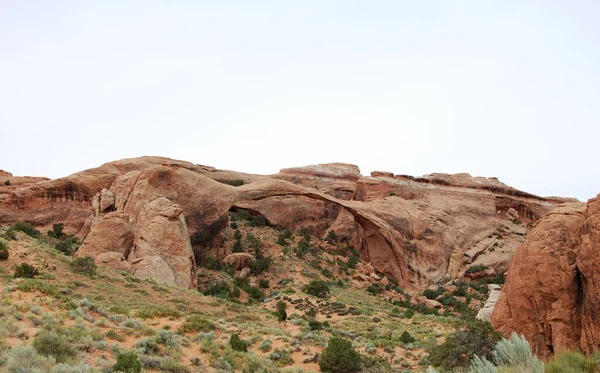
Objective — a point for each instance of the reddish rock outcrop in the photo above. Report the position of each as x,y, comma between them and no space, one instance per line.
416,230
552,290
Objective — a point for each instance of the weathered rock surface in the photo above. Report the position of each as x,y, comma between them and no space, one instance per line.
238,261
416,230
552,293
485,312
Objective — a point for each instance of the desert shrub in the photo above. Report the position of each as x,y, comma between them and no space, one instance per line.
332,238
25,359
213,263
315,325
255,293
51,344
27,229
571,362
263,283
476,269
482,365
237,247
64,246
257,221
233,225
311,312
433,294
147,346
516,352
405,337
375,289
218,288
127,363
237,182
57,231
473,338
261,263
318,288
196,323
10,234
280,312
25,270
340,357
3,251
353,261
7,182
85,266
79,368
409,313
284,237
237,343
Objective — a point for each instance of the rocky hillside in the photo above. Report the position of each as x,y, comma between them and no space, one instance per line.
551,293
415,230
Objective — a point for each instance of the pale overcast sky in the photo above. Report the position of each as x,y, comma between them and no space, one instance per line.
493,88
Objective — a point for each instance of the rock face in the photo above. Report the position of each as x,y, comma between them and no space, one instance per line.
552,293
485,313
417,230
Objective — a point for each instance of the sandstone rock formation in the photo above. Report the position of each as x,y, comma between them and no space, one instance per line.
239,261
416,230
552,293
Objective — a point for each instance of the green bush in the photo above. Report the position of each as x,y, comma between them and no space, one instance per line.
237,182
318,288
237,343
127,363
7,182
237,234
233,225
476,269
85,266
280,312
257,221
51,344
149,346
27,229
473,338
10,234
218,288
237,247
315,325
263,283
433,294
3,251
571,362
353,261
25,270
340,357
375,289
196,323
64,247
57,231
406,337
260,264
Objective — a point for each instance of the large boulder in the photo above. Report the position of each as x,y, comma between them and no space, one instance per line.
485,312
552,288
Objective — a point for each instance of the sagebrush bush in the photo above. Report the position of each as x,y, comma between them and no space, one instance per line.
85,266
196,323
52,344
25,359
25,270
516,352
340,357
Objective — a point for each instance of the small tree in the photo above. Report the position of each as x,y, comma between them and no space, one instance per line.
3,251
7,182
237,343
237,247
127,363
280,312
406,337
340,357
57,231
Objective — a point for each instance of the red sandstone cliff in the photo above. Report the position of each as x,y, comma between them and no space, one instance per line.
417,230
